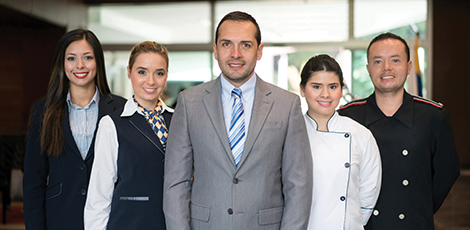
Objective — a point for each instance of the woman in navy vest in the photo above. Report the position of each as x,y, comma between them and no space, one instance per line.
60,146
126,184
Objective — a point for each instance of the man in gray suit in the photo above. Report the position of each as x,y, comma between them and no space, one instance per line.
238,155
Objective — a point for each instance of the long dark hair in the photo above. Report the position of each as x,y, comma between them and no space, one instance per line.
52,133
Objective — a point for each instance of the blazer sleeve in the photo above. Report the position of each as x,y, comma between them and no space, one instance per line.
445,161
297,171
36,170
103,176
370,176
178,171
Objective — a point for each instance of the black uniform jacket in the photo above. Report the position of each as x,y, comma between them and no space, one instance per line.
55,188
419,160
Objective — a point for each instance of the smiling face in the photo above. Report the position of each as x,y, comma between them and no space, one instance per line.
237,51
80,64
388,66
322,93
148,76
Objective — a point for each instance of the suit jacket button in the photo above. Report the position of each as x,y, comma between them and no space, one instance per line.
405,182
376,212
230,211
404,152
83,167
235,180
342,198
83,192
346,135
347,165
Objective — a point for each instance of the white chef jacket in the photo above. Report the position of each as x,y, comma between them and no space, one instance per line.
347,174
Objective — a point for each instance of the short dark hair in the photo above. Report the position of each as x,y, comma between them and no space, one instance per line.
322,62
239,17
389,35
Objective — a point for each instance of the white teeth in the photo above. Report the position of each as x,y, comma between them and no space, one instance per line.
388,77
234,65
149,90
80,74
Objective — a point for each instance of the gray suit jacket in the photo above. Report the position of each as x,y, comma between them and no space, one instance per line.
272,186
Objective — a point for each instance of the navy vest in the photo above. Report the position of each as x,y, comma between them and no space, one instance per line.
138,194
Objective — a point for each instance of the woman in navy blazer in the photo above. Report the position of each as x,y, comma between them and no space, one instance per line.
60,143
126,183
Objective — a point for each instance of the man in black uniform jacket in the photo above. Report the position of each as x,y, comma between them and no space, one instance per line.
415,138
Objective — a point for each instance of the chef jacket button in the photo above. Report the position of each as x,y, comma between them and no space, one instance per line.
230,211
376,212
405,182
347,165
401,216
404,152
346,135
342,198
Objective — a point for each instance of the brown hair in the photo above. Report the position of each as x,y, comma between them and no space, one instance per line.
147,47
52,132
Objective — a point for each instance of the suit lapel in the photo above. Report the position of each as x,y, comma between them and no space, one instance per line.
104,107
69,140
143,127
213,105
262,105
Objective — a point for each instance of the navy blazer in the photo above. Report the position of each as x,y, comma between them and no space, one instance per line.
55,188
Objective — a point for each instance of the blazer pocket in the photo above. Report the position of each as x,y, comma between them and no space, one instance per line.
270,216
200,212
54,191
273,125
134,198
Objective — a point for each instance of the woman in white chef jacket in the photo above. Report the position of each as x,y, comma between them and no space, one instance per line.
347,168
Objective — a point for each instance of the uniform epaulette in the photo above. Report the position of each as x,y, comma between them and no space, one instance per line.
355,102
427,101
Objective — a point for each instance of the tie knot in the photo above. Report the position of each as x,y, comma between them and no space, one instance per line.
236,92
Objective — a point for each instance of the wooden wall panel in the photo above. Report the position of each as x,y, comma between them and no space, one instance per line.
26,52
451,67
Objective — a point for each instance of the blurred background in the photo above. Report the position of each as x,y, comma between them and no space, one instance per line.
292,31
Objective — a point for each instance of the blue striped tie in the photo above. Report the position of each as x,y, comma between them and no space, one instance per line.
237,126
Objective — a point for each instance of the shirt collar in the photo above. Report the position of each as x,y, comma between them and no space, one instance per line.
404,114
95,100
130,108
331,125
248,88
